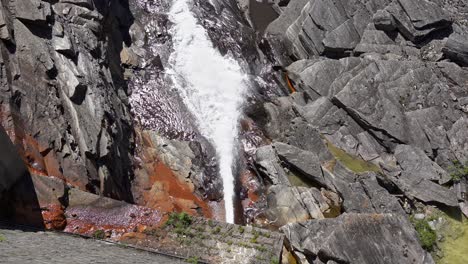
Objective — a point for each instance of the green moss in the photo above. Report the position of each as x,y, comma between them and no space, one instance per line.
216,230
99,234
458,171
274,260
193,260
426,235
179,220
211,223
353,163
261,248
454,247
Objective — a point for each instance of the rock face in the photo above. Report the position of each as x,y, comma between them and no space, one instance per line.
376,120
338,28
376,117
357,238
63,98
12,168
456,48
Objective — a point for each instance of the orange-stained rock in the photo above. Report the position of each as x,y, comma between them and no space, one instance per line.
157,186
54,217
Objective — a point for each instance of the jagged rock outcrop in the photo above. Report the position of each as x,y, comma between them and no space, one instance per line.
375,116
335,28
63,98
456,48
357,238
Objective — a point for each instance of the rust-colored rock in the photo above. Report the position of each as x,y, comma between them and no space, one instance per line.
54,217
158,187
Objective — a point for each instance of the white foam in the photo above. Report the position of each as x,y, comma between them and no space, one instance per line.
212,86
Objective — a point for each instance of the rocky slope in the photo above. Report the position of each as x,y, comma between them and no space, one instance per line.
356,116
374,127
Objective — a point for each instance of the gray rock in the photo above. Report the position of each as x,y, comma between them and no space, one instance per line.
424,13
456,49
86,3
70,105
304,162
358,238
384,21
415,161
268,163
285,205
414,185
335,28
32,10
458,137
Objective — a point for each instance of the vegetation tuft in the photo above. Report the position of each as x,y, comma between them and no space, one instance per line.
193,260
458,171
274,260
99,234
2,238
180,220
426,235
217,230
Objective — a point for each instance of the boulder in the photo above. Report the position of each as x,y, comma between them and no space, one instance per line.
32,10
306,163
357,238
414,161
269,165
456,48
335,28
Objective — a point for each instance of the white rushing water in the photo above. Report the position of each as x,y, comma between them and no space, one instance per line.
212,86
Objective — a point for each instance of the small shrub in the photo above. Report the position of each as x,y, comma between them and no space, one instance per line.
193,260
2,238
99,234
256,234
458,171
261,248
211,223
241,229
274,260
179,220
245,245
216,230
426,235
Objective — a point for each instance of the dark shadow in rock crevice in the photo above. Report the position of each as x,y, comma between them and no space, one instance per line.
18,199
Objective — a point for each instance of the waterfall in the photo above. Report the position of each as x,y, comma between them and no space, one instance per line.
212,86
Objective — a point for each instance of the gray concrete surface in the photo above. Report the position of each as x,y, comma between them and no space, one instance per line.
22,247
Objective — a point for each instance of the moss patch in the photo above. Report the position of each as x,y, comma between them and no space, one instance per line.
298,181
455,245
353,163
427,236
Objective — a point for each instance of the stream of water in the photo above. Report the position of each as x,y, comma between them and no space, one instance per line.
213,88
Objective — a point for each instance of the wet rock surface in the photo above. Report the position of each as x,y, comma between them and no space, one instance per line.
357,125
